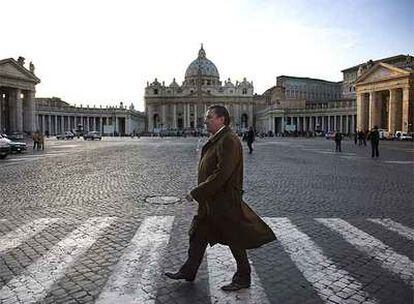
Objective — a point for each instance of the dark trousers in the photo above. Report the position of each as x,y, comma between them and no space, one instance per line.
374,149
338,146
198,245
250,145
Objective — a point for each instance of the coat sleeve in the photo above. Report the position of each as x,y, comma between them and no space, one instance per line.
228,158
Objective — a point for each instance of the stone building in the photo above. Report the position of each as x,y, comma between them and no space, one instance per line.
351,74
305,105
54,116
385,96
375,93
182,107
17,91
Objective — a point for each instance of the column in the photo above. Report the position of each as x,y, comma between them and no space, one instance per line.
174,122
100,125
360,120
195,115
49,123
56,125
43,124
372,109
188,114
353,127
150,126
347,124
405,110
250,121
19,111
164,116
323,123
185,115
341,124
30,112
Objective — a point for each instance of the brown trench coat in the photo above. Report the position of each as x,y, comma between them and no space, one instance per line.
223,217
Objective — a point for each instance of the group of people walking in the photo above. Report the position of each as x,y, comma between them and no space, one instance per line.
361,139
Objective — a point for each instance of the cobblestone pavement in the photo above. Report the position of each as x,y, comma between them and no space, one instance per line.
81,222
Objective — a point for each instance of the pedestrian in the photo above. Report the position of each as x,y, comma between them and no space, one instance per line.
40,141
338,140
250,139
373,136
222,215
35,138
356,137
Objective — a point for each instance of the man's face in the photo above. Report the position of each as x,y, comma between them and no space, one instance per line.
213,122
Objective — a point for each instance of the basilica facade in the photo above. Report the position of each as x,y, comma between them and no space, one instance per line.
182,107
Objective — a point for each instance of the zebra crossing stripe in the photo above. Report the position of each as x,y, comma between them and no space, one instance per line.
318,270
390,260
33,284
135,275
395,227
221,268
16,237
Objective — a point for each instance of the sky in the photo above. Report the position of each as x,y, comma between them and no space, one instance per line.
102,52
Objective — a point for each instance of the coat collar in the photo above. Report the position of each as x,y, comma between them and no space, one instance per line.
213,139
219,134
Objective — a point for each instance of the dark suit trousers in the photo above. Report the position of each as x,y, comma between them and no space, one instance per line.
198,246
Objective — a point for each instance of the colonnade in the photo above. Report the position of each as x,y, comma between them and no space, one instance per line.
389,109
344,123
58,123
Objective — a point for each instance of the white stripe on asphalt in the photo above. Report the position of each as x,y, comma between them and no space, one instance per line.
135,276
390,260
318,270
395,227
33,284
221,268
18,236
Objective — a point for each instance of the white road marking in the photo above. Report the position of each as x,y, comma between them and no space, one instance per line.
33,284
390,260
135,276
221,268
399,162
396,227
318,270
18,236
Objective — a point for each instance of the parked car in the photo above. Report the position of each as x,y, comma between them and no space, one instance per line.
4,146
66,135
15,146
330,135
92,135
403,136
15,136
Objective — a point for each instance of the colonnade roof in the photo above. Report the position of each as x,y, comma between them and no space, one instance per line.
10,68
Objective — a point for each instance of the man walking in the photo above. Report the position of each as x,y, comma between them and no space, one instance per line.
222,215
250,139
374,137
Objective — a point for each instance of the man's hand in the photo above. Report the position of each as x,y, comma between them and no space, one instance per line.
189,198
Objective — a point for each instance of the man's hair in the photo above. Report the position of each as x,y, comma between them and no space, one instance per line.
221,111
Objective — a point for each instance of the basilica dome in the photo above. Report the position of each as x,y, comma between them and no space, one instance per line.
202,67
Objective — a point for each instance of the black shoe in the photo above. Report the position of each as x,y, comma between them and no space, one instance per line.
180,276
234,286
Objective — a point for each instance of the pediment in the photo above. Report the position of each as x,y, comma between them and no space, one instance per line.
380,72
11,69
